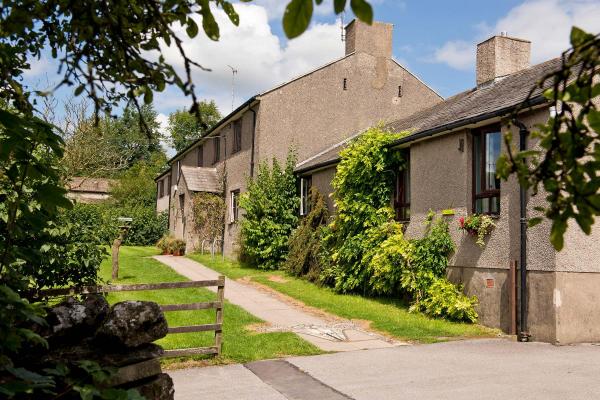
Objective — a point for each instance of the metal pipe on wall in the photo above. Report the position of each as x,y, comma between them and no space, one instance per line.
523,333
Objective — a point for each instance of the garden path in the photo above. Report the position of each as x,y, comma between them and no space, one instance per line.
327,332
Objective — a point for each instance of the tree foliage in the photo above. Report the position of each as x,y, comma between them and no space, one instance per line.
270,213
184,127
111,146
567,162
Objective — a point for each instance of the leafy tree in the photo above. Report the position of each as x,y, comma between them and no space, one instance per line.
270,213
135,186
112,145
567,162
184,128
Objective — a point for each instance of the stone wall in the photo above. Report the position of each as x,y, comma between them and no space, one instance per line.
118,337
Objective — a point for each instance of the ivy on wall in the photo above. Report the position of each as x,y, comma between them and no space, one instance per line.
208,211
367,249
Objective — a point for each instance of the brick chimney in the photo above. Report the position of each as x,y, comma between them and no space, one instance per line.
500,56
375,39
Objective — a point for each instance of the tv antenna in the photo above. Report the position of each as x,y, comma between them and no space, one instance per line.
233,72
342,26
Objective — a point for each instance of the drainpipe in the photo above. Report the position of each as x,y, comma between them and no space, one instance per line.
253,139
523,334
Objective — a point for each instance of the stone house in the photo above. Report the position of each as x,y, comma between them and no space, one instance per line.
309,113
452,149
89,190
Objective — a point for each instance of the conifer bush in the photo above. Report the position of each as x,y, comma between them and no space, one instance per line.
305,245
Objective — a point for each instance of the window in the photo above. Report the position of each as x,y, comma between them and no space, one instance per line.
486,185
305,185
400,91
200,156
234,206
217,149
182,205
169,184
161,188
402,192
237,136
345,84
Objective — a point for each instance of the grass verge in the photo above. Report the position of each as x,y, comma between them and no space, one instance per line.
239,344
389,316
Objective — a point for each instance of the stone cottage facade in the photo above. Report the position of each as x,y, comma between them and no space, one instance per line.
309,113
452,149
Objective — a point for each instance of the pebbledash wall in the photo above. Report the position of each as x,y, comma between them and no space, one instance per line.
563,295
307,114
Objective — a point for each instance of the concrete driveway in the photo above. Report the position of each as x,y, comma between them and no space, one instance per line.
477,369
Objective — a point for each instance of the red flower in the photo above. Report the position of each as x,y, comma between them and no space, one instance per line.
461,222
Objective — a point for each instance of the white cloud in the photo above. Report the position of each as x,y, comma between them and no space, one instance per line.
458,54
256,52
546,23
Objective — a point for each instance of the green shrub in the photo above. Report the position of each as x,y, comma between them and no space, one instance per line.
271,214
100,224
169,244
444,299
305,245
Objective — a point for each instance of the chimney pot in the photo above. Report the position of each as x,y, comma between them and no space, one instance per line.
500,56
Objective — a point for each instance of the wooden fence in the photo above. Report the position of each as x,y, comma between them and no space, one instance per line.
217,305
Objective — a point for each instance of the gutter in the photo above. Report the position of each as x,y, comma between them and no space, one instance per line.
253,142
536,101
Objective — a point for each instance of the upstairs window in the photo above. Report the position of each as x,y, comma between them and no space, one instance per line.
486,150
237,136
305,185
234,206
161,188
200,156
217,149
402,192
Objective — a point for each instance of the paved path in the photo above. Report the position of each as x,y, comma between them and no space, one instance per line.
329,334
492,369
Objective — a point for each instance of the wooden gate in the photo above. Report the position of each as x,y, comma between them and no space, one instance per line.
217,305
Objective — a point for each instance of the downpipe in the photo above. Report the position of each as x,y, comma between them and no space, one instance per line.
523,335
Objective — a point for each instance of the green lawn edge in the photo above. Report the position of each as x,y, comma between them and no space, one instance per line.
388,316
240,344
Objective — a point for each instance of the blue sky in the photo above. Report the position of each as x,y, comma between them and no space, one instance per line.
434,39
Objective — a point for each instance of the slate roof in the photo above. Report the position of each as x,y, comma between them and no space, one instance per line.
93,185
499,97
200,179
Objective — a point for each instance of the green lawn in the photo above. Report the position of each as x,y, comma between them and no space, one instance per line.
386,315
239,343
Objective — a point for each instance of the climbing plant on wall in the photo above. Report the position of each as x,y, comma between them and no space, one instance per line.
209,215
367,249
